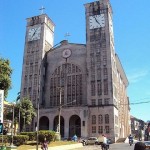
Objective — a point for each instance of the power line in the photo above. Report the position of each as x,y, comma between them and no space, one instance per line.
137,103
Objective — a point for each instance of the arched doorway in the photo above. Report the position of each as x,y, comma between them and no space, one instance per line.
61,125
44,123
75,126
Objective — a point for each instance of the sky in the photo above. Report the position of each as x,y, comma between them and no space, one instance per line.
131,21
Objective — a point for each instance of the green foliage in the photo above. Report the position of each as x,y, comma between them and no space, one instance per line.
48,134
32,135
17,139
5,139
24,109
9,115
27,111
20,139
5,75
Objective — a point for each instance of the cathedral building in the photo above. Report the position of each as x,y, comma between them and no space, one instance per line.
81,87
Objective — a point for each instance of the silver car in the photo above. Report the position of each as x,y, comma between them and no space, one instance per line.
92,140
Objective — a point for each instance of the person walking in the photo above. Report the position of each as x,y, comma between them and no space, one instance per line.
103,141
130,139
44,145
140,146
74,138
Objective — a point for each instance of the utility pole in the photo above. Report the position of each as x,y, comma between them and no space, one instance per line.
38,103
59,116
37,129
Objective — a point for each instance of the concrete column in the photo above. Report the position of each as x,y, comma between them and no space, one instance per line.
66,127
51,121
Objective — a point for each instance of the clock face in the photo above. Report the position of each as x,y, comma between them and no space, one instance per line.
66,53
34,33
97,21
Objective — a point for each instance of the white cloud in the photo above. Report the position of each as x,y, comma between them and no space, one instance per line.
137,76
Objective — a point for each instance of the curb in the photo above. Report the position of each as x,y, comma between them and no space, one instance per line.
65,147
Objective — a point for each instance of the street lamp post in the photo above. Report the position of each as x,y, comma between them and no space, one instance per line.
37,128
59,115
19,119
38,105
24,122
12,126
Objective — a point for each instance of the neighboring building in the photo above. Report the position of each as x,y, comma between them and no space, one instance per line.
88,79
138,127
147,132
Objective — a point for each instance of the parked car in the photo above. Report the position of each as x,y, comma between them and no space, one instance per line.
147,143
91,140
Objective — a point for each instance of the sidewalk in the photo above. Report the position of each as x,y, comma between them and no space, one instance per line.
64,147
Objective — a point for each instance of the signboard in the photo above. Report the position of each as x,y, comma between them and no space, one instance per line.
1,128
1,105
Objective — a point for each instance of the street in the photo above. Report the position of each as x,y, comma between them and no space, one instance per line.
116,146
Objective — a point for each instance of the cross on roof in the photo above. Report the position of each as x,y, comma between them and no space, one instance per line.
42,9
67,35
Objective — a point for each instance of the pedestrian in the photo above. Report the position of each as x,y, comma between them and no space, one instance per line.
44,145
103,141
74,138
130,137
139,146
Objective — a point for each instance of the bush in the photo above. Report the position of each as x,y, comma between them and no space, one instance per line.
32,135
21,139
48,134
17,139
5,139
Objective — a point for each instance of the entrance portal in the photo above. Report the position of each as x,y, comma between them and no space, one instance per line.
44,123
75,126
61,125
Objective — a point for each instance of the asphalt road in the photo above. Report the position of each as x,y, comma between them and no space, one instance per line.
116,146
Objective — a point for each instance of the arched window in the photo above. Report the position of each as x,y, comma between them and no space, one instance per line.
100,119
107,119
69,78
93,119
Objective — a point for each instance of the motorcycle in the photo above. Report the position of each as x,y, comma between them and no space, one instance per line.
130,142
83,141
105,146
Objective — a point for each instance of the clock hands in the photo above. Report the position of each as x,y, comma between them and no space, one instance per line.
96,20
34,32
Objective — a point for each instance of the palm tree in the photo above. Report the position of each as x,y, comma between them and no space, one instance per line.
27,112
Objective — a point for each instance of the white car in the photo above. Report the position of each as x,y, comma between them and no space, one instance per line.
91,140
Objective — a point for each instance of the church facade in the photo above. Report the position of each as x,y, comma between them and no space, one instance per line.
82,87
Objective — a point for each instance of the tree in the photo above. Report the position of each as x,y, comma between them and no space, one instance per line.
27,112
5,75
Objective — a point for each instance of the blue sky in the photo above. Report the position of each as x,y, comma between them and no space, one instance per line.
131,30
